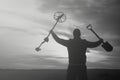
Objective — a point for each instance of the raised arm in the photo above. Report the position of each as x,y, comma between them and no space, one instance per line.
57,39
94,44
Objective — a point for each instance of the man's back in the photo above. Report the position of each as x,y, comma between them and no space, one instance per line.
77,51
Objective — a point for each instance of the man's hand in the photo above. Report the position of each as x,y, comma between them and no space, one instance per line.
51,31
101,40
46,39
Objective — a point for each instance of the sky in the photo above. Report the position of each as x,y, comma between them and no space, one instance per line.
25,23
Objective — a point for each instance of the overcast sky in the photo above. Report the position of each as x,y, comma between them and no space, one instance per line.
25,23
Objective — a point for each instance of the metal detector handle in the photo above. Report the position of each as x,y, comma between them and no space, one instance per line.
46,39
89,27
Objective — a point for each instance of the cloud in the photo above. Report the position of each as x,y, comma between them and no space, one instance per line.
96,56
26,31
36,18
103,14
100,59
31,61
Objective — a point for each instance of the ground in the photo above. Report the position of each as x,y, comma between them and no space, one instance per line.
56,74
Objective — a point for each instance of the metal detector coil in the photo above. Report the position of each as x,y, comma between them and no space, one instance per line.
60,17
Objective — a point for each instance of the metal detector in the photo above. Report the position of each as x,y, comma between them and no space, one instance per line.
59,17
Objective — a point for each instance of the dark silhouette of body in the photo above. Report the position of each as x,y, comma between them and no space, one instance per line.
77,54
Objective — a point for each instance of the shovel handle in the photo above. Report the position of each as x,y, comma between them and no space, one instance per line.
89,27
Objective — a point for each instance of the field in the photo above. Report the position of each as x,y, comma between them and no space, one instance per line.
56,74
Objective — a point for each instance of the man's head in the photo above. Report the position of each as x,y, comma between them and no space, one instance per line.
76,33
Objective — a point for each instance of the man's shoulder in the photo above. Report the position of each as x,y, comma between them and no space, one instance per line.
83,40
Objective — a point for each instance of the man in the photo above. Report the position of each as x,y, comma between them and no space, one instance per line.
77,54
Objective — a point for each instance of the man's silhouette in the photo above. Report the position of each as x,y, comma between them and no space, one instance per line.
77,54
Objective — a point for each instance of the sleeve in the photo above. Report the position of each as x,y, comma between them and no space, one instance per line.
60,41
93,44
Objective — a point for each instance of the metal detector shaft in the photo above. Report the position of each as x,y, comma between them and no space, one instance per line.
59,17
52,28
48,35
